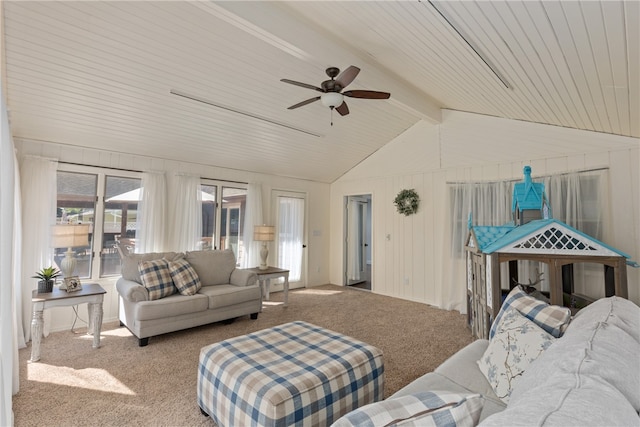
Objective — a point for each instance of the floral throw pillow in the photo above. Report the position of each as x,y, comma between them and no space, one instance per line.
184,277
156,278
516,343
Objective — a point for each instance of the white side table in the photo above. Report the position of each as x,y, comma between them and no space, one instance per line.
91,293
265,276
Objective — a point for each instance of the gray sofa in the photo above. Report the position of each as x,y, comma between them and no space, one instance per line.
590,376
226,293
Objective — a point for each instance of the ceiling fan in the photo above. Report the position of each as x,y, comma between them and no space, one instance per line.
332,90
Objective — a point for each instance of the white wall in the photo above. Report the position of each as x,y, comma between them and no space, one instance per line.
408,252
317,201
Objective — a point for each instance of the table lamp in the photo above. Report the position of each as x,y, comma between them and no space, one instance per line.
69,236
264,234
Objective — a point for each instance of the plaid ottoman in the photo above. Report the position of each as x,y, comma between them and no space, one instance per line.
292,374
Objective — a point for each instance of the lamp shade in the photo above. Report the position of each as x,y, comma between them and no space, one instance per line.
70,235
264,233
332,99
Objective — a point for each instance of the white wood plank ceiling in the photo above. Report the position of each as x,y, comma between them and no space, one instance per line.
100,74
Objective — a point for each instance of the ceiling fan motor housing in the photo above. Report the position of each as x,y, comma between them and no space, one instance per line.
331,86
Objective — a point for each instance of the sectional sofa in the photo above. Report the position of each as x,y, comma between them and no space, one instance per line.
589,375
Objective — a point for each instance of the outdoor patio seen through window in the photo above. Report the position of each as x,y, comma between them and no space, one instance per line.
109,204
228,231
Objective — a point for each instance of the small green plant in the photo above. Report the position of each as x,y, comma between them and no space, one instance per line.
47,274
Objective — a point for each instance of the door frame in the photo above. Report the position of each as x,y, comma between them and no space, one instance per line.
368,198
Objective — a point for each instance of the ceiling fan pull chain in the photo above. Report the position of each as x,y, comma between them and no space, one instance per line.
331,115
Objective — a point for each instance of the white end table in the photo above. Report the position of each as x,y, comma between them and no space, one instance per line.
265,276
91,293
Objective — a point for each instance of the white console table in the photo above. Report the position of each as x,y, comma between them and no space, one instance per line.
92,294
265,276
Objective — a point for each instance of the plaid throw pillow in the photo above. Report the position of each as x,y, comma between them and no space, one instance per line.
156,278
425,409
184,277
552,318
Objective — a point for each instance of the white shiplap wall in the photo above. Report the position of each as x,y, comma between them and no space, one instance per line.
317,201
497,149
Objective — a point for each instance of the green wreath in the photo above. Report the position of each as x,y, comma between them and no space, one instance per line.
407,202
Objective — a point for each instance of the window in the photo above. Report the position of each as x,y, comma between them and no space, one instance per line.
227,233
76,204
109,204
119,222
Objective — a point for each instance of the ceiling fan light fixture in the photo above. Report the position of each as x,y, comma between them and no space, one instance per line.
331,99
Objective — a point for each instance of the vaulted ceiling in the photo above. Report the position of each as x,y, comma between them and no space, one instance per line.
200,81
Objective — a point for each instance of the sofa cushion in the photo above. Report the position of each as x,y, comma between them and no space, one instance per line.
228,295
426,408
436,381
617,311
462,368
567,400
156,278
594,346
129,263
185,278
171,306
552,318
212,267
517,342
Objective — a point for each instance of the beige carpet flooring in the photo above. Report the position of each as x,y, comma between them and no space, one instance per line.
122,384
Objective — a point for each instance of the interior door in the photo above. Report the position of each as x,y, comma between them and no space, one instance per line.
290,244
357,240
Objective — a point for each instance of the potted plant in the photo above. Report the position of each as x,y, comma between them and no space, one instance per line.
47,276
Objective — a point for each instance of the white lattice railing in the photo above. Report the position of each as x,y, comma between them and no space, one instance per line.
556,239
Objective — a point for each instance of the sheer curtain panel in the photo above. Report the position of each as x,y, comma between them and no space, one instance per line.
187,224
39,194
290,235
253,216
151,224
11,337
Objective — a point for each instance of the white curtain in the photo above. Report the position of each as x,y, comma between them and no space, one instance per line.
290,235
151,224
187,225
490,204
353,243
11,337
579,199
252,217
39,194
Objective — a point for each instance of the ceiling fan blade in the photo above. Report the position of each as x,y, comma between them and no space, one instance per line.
343,109
366,94
347,76
305,85
300,104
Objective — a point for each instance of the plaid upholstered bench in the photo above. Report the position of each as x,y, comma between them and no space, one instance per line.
292,374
